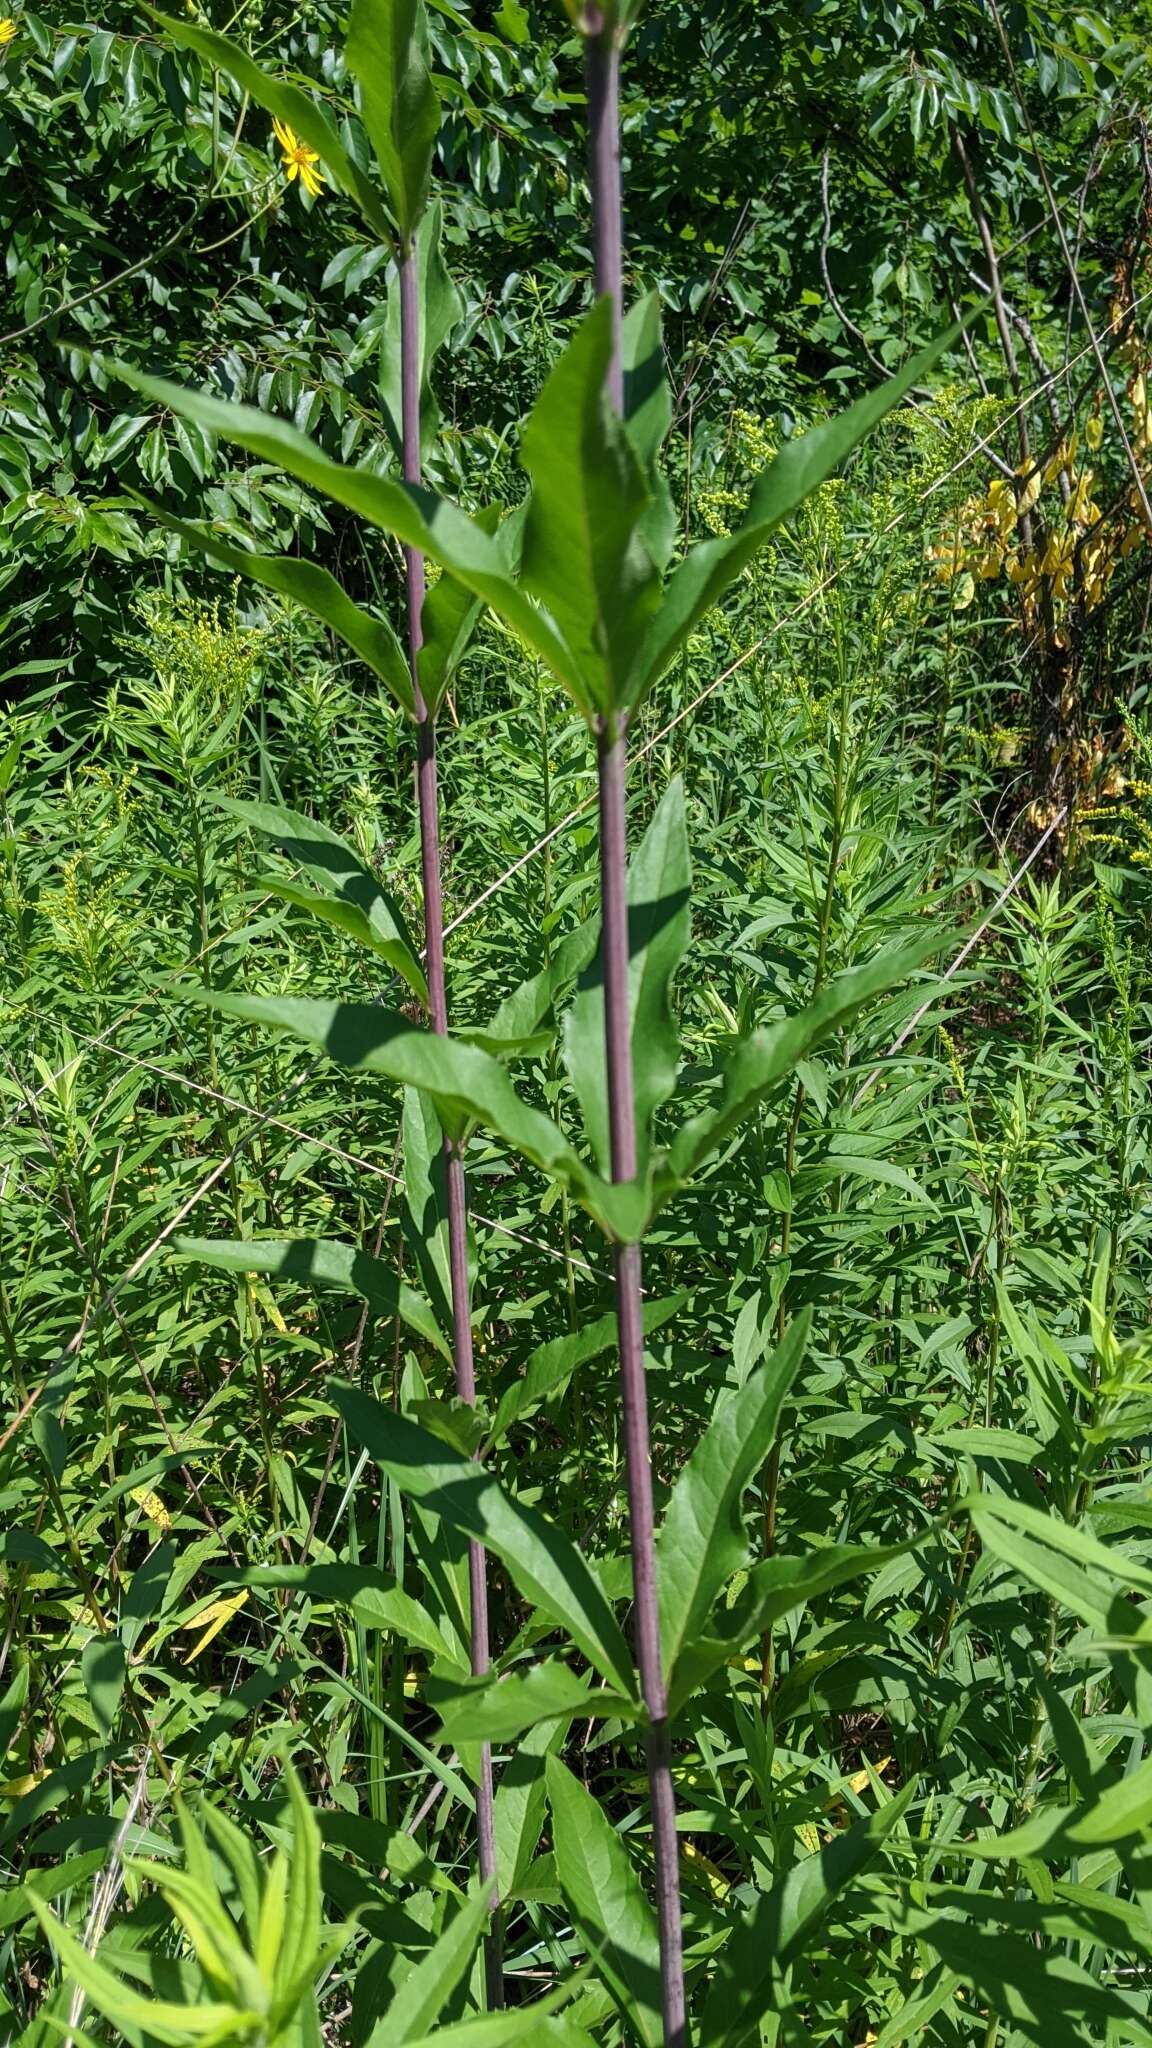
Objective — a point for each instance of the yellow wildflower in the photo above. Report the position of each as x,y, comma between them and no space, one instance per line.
7,31
299,161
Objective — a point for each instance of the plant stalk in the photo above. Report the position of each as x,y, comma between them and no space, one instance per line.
612,762
428,802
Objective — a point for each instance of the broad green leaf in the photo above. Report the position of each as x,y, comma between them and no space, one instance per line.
702,1540
521,1012
603,1892
373,1597
766,1057
499,1709
784,1921
583,554
518,1808
287,103
1120,1811
387,54
544,1562
104,1669
552,1364
648,417
314,589
319,1262
428,1987
659,928
710,568
417,517
533,2026
339,873
773,1589
424,1203
977,1442
463,1081
440,307
1054,2001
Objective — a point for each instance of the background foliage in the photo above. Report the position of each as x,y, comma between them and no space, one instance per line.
896,699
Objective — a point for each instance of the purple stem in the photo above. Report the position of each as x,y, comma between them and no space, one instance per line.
612,764
428,801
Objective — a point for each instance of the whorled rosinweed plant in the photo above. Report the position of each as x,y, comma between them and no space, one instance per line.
588,575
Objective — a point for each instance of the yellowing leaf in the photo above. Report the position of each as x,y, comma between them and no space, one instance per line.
152,1505
15,1788
217,1615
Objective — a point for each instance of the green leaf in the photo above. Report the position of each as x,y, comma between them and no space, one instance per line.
521,1012
659,929
161,2019
365,908
584,556
648,417
702,1541
463,1081
104,1669
552,1364
603,1892
545,1563
373,1597
783,1922
766,1057
773,1589
531,2026
320,1262
387,54
499,1709
314,589
415,516
288,103
1120,1811
424,1203
518,1809
709,569
440,307
427,1988
1054,2001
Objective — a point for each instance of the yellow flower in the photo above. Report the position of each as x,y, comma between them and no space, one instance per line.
7,31
299,161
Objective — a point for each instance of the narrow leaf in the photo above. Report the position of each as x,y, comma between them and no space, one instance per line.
604,1895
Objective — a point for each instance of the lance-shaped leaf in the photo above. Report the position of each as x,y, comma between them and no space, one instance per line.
352,896
606,1901
648,417
553,1363
584,556
387,53
450,614
306,584
424,1204
701,1541
764,1059
518,1811
658,934
521,1012
800,468
545,1564
287,103
415,516
772,1589
372,1596
464,1082
784,1921
500,1709
319,1262
427,1988
439,307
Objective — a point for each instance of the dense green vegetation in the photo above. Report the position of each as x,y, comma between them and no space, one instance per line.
893,1187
